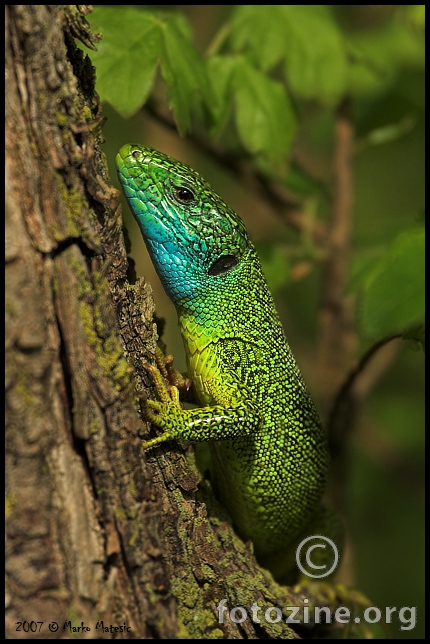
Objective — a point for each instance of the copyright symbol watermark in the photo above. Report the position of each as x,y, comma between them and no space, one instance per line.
317,548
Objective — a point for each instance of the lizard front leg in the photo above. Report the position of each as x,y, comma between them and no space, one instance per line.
232,417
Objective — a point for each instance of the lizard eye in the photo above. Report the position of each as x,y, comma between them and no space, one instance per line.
183,194
223,264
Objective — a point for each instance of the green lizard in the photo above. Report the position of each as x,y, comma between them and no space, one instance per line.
269,455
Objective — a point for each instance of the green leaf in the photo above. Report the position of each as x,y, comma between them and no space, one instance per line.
377,55
185,75
264,116
392,287
305,37
126,57
250,27
134,43
316,63
220,70
390,132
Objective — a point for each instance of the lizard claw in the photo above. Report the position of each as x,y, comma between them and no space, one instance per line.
155,411
169,373
167,393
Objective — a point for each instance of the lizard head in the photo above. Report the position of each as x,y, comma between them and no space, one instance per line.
195,240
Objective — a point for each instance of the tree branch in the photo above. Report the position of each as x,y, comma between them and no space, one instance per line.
337,339
340,418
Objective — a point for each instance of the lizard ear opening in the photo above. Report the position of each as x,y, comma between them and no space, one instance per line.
223,264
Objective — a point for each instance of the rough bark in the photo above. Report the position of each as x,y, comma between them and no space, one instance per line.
97,535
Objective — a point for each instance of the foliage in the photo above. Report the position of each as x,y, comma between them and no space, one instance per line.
392,287
260,70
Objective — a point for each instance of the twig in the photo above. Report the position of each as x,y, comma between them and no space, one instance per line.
346,392
336,332
341,418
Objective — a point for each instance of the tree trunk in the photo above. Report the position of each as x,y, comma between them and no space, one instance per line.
96,537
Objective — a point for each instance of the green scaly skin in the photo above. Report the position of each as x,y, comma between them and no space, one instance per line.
268,448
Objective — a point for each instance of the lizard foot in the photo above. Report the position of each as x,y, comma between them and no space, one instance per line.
155,410
169,373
